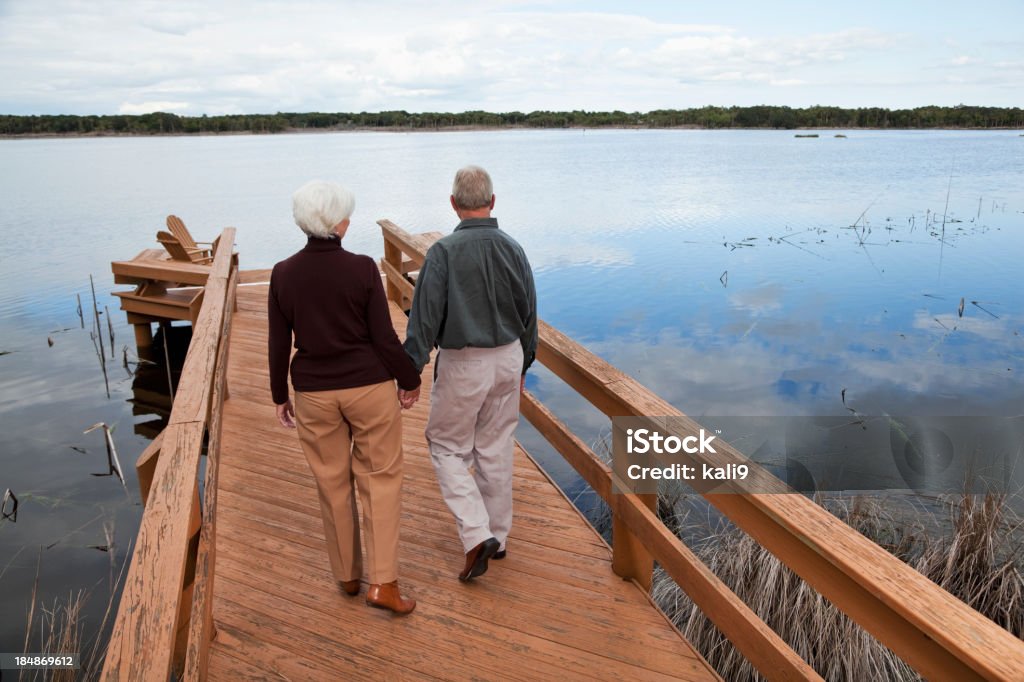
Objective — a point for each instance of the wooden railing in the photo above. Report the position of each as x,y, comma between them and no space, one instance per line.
927,627
164,624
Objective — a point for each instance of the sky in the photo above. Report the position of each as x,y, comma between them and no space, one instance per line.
228,57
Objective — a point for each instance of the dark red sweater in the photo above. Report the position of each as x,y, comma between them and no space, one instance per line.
334,302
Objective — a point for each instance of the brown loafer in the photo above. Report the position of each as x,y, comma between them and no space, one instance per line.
349,587
387,596
476,559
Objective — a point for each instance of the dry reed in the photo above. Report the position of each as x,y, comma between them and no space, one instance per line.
974,559
60,627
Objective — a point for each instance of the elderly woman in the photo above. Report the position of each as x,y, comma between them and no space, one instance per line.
346,408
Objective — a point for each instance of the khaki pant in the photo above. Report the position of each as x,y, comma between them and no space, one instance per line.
474,410
354,436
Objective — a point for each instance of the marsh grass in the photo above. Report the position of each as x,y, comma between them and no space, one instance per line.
972,554
57,628
970,545
60,632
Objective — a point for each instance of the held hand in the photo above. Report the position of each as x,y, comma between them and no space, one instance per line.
286,414
408,398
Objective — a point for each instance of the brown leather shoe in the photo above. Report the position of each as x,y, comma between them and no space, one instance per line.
476,559
387,596
349,587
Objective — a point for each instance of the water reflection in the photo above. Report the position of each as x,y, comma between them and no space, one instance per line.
832,249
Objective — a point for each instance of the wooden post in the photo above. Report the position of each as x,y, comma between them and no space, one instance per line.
184,616
393,257
143,335
630,558
145,466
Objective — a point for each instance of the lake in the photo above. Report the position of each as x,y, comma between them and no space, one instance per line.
735,273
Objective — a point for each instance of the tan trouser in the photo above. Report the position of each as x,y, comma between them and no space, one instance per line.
474,410
354,435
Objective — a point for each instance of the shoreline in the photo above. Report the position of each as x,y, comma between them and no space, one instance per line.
468,128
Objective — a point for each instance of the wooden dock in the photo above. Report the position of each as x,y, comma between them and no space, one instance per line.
229,576
552,609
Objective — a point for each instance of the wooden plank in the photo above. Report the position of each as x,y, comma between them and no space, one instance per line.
398,281
531,657
192,400
284,653
145,466
303,527
288,496
142,642
504,601
180,298
254,276
202,630
170,306
228,664
403,241
393,255
514,611
139,271
181,632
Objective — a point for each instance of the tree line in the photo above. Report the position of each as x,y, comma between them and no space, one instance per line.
158,123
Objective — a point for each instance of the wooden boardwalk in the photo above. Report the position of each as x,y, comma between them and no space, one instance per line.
553,609
237,586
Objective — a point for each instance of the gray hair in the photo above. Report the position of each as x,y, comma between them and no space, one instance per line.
318,206
472,188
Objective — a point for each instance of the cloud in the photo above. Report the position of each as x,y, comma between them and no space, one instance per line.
266,56
151,106
973,322
763,299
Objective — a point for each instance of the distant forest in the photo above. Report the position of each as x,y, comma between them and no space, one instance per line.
161,123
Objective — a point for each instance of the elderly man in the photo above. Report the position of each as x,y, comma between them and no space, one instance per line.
475,299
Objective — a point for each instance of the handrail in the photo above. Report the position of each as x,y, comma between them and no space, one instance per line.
926,626
201,628
153,616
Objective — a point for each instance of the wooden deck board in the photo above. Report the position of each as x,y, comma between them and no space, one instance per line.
552,609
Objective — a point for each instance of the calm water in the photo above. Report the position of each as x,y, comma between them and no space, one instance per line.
631,234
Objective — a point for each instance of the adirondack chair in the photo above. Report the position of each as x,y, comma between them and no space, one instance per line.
177,227
178,251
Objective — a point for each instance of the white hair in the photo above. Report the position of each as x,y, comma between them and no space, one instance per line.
318,206
472,188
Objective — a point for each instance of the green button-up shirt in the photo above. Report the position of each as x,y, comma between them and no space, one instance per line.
475,289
